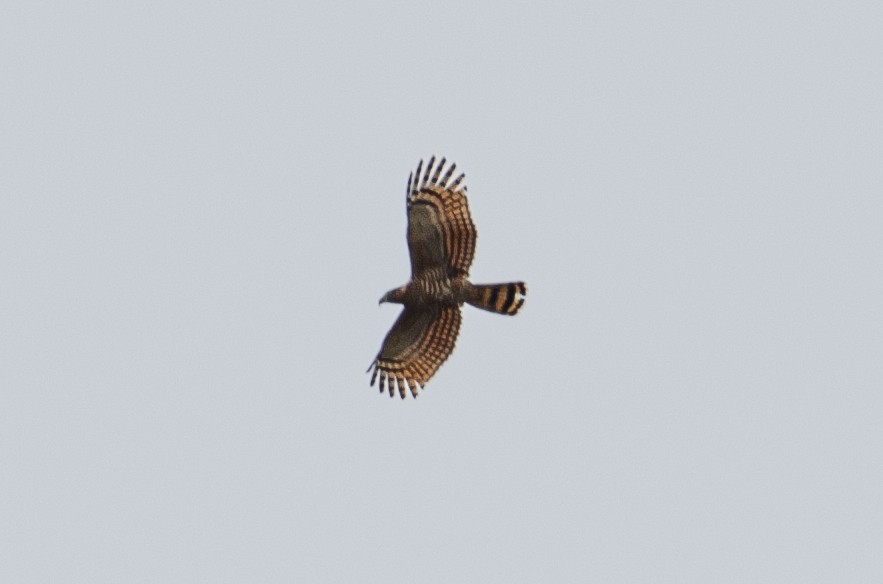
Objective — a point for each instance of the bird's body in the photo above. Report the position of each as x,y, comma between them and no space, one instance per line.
441,241
432,287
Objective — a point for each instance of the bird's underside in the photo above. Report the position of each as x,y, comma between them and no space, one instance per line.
441,242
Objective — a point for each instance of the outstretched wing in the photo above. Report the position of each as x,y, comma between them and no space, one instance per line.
415,347
440,230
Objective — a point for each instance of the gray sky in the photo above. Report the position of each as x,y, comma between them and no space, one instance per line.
200,206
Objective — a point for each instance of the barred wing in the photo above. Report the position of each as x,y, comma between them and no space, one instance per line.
415,347
440,230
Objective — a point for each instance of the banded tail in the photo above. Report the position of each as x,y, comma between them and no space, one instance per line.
499,298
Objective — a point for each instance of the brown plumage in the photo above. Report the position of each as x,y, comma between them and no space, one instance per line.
441,242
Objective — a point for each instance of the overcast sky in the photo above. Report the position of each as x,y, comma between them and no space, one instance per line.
201,204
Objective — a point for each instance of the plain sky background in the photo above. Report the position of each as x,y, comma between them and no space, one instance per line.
201,203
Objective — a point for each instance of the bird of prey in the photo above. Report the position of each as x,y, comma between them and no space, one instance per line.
441,242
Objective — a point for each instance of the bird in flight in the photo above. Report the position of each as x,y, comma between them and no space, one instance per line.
441,243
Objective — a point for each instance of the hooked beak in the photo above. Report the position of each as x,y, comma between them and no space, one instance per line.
388,297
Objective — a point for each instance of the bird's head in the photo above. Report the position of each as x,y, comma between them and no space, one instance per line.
395,295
